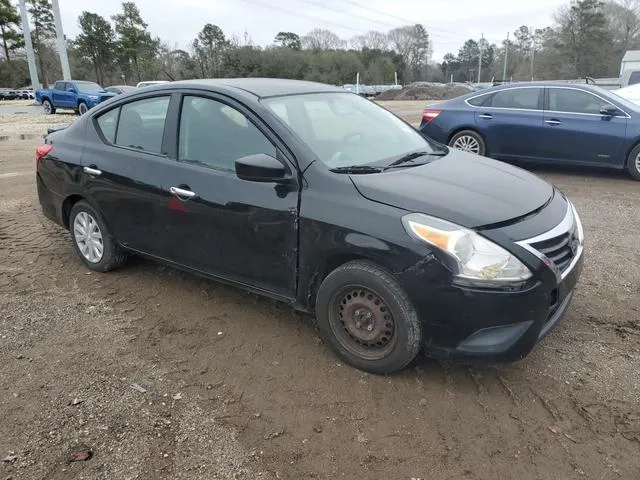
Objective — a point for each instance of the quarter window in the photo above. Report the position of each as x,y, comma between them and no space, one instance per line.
517,98
574,101
107,123
479,101
141,124
215,135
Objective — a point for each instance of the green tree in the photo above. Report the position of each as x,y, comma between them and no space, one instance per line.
96,42
288,40
41,12
209,50
135,47
412,42
9,28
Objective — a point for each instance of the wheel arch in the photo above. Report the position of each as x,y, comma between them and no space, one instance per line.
472,128
71,200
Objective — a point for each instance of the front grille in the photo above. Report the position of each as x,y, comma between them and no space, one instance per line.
561,249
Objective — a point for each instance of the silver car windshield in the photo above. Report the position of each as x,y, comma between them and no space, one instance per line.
343,129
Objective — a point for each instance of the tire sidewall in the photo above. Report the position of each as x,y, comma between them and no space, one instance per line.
475,135
407,326
82,106
631,163
109,249
47,111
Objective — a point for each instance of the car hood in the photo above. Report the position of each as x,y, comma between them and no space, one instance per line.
463,188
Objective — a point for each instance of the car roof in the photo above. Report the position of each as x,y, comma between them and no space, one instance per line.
261,87
507,86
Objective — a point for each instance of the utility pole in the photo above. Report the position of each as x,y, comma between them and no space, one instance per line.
506,54
533,50
62,44
31,58
480,57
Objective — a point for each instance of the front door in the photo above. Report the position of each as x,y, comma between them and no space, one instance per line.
213,221
575,130
511,122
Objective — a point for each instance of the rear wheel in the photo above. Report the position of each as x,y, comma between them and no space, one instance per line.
367,319
48,107
633,162
91,239
469,141
82,108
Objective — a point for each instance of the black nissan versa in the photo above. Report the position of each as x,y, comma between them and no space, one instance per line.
319,198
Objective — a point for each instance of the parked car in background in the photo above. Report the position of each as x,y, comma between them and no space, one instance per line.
120,89
630,93
151,83
573,124
321,199
78,95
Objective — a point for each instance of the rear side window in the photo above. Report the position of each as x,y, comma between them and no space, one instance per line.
518,98
634,78
479,101
216,135
574,101
141,124
107,124
59,86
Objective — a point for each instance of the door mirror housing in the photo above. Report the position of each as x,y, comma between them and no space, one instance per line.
71,90
609,110
261,168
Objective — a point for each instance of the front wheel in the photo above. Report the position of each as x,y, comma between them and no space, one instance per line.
82,108
633,163
469,141
49,109
367,319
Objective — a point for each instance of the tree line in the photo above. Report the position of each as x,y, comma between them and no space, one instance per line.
588,38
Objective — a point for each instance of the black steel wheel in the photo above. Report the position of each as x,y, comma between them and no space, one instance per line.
367,319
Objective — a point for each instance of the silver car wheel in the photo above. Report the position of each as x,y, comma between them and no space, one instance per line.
638,162
467,143
88,237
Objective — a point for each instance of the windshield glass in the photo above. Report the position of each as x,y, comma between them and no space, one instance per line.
343,129
89,87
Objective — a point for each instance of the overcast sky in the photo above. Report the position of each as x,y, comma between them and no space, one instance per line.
449,22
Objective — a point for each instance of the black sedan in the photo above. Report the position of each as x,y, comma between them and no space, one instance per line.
319,198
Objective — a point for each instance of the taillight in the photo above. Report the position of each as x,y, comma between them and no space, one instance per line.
429,114
41,152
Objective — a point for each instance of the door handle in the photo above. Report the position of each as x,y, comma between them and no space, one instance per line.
92,171
553,122
181,193
486,116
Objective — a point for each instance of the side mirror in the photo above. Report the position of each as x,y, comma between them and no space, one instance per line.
260,168
71,90
609,110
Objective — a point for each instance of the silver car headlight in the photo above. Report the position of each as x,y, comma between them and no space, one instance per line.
478,259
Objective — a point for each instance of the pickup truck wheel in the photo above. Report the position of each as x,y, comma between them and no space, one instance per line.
92,241
82,108
48,108
367,318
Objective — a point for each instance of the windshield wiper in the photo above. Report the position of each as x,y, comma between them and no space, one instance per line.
357,169
409,157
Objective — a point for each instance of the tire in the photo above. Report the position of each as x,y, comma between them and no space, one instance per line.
49,109
367,319
82,108
111,256
471,139
633,162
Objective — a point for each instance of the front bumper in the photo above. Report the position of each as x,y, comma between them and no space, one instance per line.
467,324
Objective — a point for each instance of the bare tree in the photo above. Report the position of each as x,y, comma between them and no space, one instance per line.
373,40
321,39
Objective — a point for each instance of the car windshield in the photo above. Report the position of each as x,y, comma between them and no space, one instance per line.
89,87
345,130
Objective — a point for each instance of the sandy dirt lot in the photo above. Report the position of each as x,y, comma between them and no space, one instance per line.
153,373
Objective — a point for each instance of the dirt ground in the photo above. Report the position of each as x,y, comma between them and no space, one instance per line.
163,375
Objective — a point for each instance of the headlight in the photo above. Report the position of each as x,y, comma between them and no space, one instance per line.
93,97
478,259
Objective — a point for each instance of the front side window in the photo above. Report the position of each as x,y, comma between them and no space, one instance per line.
516,98
570,100
215,135
344,129
141,124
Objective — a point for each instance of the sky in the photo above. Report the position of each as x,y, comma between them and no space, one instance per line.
449,22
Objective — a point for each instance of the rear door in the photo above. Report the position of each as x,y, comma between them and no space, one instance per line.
511,121
576,132
58,94
126,170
